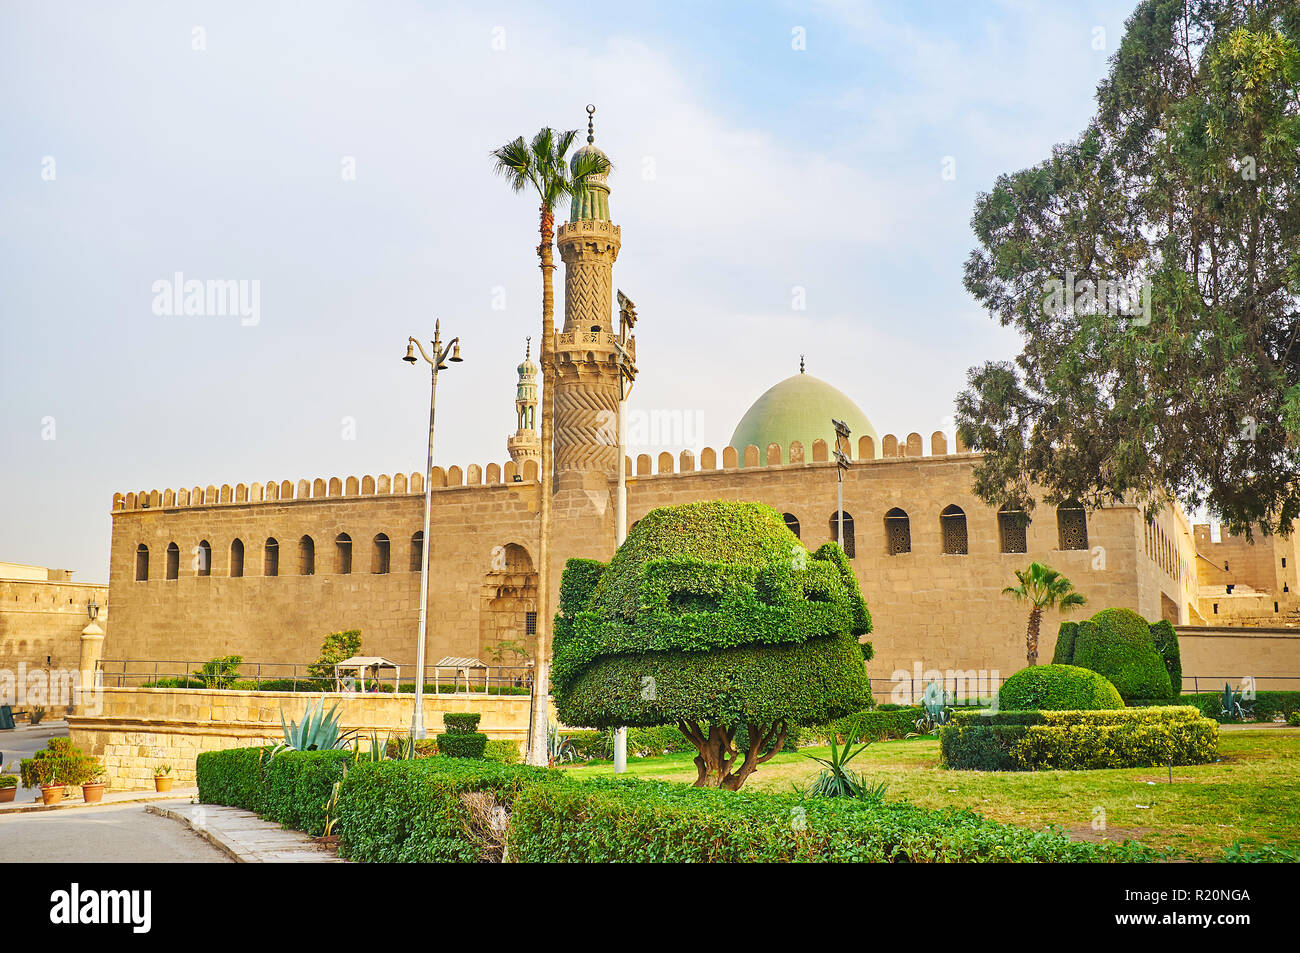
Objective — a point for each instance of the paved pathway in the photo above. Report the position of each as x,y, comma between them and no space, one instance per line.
122,833
244,836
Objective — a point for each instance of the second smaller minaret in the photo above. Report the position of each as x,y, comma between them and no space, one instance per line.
525,444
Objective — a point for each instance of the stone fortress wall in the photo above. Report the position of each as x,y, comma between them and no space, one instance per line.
42,614
933,605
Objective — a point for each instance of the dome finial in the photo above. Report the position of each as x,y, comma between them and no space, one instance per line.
800,363
528,347
591,124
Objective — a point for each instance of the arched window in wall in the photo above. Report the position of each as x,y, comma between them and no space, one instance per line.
952,526
379,555
173,560
142,563
203,559
1072,526
236,558
898,532
850,547
271,557
791,522
417,550
343,554
1012,524
306,556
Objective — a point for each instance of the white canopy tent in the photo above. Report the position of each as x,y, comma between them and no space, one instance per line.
361,665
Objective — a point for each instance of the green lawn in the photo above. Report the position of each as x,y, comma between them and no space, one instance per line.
1252,794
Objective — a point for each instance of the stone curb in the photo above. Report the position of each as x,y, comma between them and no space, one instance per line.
141,797
293,846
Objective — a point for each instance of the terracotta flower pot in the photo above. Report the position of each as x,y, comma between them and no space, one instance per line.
163,783
93,793
51,793
7,795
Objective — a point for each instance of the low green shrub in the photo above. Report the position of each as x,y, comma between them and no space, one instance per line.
507,752
234,777
1293,719
298,785
874,724
461,721
461,740
8,781
441,809
426,811
1266,706
1075,740
1059,687
632,821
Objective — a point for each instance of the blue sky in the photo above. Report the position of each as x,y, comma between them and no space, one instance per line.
745,168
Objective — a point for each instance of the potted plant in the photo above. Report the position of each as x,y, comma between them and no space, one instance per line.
162,778
8,788
92,788
48,776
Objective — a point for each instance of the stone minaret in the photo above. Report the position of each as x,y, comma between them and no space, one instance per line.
586,387
525,444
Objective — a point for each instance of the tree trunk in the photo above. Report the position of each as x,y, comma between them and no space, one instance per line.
1031,637
537,753
718,755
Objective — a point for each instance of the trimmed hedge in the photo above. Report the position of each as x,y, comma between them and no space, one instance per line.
1059,687
461,740
461,811
1076,740
234,777
632,821
1120,644
416,812
1266,707
298,785
875,724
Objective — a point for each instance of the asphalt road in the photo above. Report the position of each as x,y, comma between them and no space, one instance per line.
116,834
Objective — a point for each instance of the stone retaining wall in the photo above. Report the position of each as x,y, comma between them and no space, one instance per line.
137,729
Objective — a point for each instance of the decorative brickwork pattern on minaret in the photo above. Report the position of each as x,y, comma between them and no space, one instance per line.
587,376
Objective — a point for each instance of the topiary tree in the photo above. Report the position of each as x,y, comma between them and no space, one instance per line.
1041,587
1119,644
1058,688
714,617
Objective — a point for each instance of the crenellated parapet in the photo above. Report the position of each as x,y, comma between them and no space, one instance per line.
398,484
751,457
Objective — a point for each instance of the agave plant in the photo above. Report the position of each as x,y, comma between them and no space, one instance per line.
935,702
558,747
1233,706
318,730
836,779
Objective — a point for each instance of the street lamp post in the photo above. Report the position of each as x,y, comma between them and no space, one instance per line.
438,363
842,446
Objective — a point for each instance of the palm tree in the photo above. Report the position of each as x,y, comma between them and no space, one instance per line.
540,166
1042,587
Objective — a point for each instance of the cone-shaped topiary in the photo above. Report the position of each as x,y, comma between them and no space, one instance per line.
1058,688
712,616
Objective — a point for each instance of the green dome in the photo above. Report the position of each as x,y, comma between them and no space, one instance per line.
800,408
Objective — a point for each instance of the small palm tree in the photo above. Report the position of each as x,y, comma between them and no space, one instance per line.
540,166
1042,587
